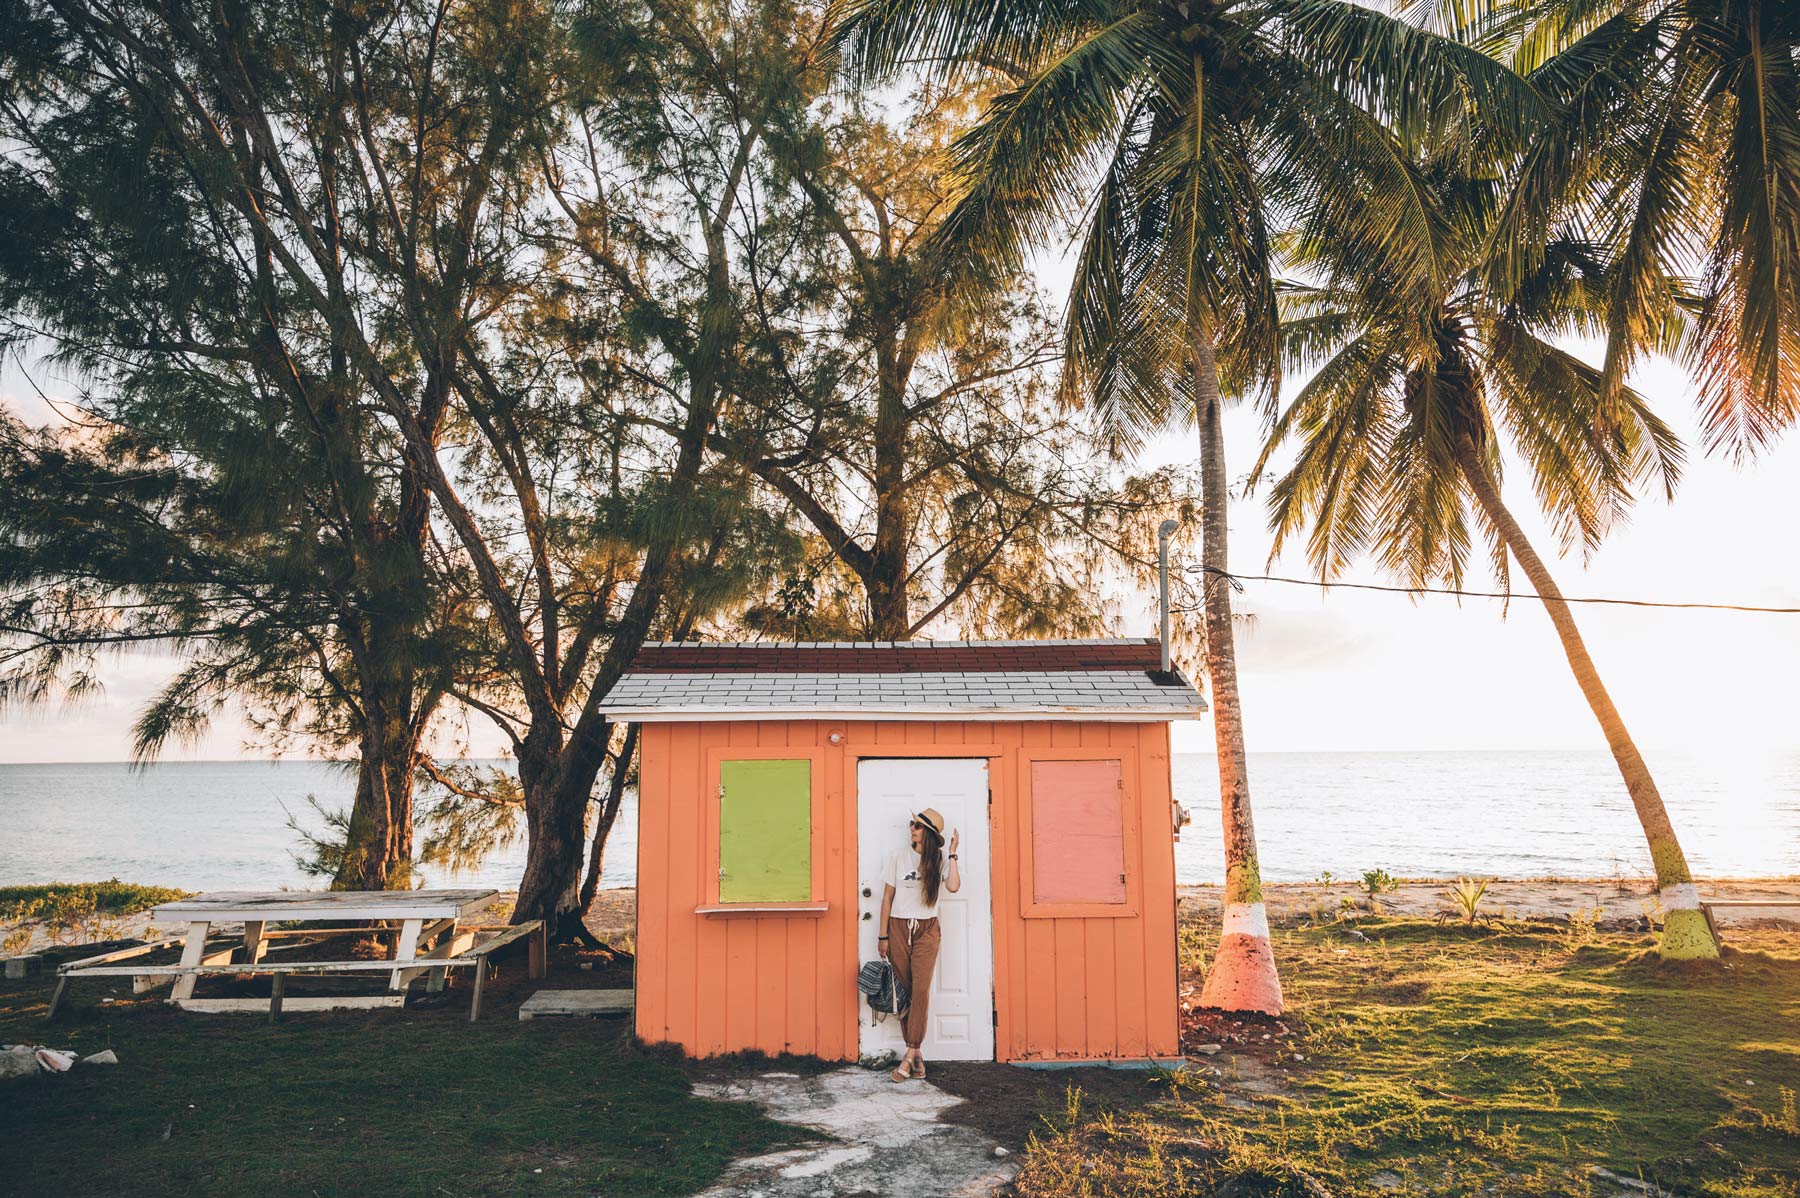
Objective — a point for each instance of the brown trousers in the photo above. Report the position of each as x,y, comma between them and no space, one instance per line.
913,952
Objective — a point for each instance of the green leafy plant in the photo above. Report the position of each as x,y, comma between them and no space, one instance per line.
1466,895
1374,884
73,912
1583,929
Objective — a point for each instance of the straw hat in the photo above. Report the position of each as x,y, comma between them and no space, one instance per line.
933,817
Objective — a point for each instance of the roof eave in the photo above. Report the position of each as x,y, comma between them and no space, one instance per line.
672,715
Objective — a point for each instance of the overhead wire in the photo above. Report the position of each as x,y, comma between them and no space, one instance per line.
1237,581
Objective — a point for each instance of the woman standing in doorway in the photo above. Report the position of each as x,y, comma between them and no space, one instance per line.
909,936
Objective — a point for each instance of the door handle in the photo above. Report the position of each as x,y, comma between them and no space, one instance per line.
867,915
867,893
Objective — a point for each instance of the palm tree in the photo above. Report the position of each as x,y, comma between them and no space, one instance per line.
1683,154
1180,133
1400,432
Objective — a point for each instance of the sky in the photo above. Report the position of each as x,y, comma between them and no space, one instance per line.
1345,670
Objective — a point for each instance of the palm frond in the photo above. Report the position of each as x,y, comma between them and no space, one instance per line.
1750,334
1024,173
945,37
1407,74
1345,420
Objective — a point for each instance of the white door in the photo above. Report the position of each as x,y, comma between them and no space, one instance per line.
888,791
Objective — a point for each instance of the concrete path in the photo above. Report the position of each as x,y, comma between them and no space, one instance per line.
888,1140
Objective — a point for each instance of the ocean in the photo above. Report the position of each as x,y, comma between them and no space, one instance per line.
226,825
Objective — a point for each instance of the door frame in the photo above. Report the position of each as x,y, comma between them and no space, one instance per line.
853,759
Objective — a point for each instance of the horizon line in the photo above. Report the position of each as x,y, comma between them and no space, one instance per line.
1790,750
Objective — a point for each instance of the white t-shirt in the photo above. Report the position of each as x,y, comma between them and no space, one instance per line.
901,871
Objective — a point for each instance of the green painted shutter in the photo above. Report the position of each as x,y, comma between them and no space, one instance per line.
765,831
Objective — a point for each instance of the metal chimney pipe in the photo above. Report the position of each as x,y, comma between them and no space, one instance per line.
1163,533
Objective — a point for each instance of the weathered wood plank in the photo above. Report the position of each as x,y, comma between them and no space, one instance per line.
261,967
145,979
406,949
578,1003
254,944
449,946
467,957
433,929
240,906
505,938
18,968
481,969
193,949
259,1006
117,954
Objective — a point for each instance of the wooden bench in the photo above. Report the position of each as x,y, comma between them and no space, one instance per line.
474,956
1707,906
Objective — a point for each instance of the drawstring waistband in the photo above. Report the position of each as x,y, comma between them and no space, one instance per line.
915,926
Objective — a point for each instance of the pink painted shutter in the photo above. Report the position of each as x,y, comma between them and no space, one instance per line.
1077,832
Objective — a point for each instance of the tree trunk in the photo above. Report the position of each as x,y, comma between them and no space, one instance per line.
556,803
378,853
561,786
1685,931
1242,977
548,850
608,815
889,616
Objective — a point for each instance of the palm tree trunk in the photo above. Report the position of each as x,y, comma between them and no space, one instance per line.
1242,977
1685,931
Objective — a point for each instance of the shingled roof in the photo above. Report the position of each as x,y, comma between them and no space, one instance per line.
901,680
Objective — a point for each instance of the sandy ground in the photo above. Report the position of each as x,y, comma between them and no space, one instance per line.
613,917
1534,898
1555,898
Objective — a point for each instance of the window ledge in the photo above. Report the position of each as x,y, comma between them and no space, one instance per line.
727,909
1035,910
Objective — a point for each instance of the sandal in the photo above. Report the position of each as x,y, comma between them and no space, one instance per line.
919,1069
901,1074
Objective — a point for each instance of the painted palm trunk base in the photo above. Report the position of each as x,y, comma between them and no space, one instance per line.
1686,935
1243,977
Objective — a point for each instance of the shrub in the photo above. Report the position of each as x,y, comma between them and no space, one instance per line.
73,912
1466,895
1375,883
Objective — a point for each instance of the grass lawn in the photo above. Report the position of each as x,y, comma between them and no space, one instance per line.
1424,1059
397,1103
1448,1060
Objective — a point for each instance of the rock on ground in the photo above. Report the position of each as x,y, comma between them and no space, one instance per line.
888,1140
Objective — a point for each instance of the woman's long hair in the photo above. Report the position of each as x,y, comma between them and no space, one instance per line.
931,862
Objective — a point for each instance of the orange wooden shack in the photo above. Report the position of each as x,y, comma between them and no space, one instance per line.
775,778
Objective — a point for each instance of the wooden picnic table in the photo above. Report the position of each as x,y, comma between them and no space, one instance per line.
423,915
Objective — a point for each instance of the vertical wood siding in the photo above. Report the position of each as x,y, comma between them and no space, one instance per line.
1069,988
